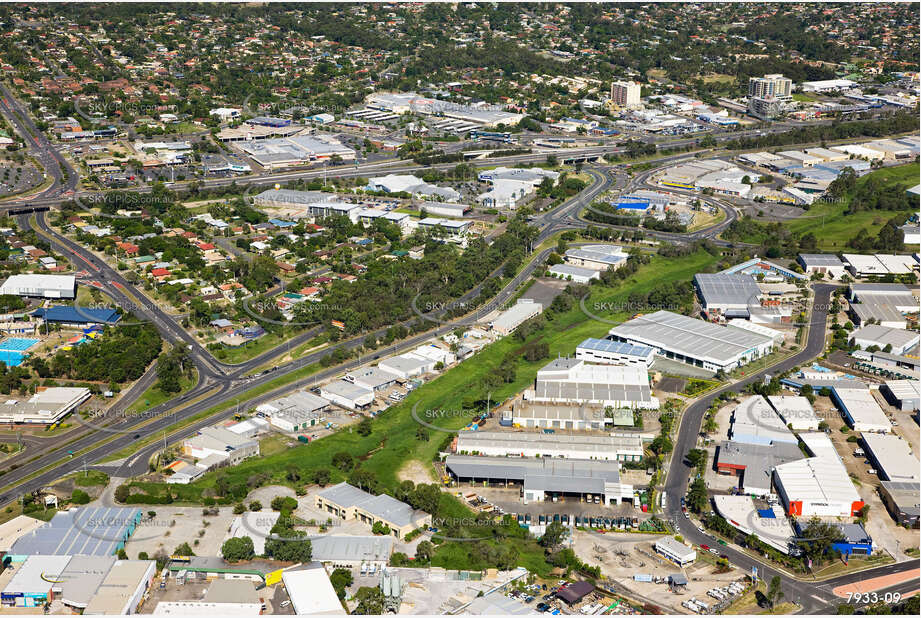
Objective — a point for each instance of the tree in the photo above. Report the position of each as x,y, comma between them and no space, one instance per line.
255,505
424,552
817,537
238,548
370,601
122,492
341,579
380,528
364,427
184,550
343,461
697,495
553,536
80,497
845,609
774,593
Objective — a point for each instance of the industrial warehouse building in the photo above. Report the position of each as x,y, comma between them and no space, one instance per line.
577,417
311,592
530,444
40,286
819,485
675,550
694,342
89,531
576,274
825,263
754,421
45,407
571,380
597,257
902,501
285,151
515,316
898,341
346,552
796,411
218,444
543,478
754,464
348,395
722,294
903,394
606,351
860,409
347,502
892,458
877,314
295,412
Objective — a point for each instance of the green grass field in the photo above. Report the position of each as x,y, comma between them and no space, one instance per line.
833,227
153,396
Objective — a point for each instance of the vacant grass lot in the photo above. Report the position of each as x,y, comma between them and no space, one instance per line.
833,227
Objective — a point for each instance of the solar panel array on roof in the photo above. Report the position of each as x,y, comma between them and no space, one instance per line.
89,531
615,347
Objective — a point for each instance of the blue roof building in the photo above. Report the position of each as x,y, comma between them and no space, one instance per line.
64,314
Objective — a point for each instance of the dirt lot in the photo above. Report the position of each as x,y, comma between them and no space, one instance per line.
416,471
621,556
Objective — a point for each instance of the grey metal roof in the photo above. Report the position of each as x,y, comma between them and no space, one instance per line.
383,506
472,440
345,389
725,289
591,392
569,475
893,456
616,347
82,577
882,313
333,548
905,496
879,288
557,411
690,337
821,259
884,335
596,253
757,459
300,401
91,531
404,363
573,271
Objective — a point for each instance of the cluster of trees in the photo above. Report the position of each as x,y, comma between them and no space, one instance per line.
287,544
172,366
900,122
120,355
873,192
775,239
